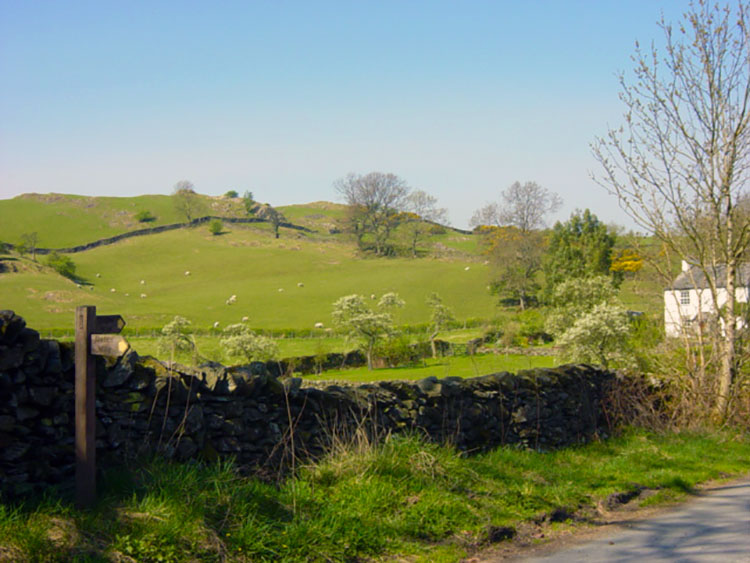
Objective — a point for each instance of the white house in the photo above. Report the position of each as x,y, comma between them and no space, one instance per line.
690,294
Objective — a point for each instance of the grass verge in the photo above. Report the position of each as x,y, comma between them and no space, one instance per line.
403,497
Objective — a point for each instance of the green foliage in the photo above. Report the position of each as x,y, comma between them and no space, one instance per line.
531,326
175,337
580,247
239,341
589,324
363,324
145,216
232,194
215,227
62,264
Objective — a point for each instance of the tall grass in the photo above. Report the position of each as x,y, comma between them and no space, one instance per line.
399,496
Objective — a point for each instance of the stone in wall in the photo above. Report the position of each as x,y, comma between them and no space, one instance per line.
258,418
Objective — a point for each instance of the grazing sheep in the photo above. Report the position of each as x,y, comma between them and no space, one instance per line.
232,299
187,272
466,269
245,319
98,275
300,284
373,296
281,289
127,295
143,296
216,324
318,325
143,282
113,290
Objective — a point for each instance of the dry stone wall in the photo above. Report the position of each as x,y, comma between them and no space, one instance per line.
258,418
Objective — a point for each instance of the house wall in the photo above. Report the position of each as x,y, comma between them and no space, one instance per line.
675,313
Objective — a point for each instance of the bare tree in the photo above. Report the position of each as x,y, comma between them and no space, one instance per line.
186,201
420,215
374,200
272,215
679,164
523,206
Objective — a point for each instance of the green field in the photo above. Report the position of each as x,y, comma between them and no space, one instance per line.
264,273
449,366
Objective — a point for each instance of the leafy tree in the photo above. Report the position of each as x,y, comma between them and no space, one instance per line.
175,338
420,216
144,216
28,244
241,342
215,227
232,194
62,264
365,325
272,215
440,315
680,162
249,203
3,247
580,247
512,238
374,201
589,324
516,258
186,201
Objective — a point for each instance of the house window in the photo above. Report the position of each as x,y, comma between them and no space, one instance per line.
685,297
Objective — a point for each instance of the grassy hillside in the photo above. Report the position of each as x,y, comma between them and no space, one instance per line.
264,273
67,220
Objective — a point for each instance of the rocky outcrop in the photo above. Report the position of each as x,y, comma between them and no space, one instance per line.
247,412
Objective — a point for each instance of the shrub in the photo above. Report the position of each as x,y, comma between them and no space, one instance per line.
62,264
232,194
144,216
215,227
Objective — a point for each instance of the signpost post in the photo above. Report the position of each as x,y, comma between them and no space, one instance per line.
95,336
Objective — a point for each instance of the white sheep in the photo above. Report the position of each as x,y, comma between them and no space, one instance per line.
281,289
466,269
232,299
143,296
318,325
373,296
187,272
245,319
216,324
113,290
300,284
98,275
143,282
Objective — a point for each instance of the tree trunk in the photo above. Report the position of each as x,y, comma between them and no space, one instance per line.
369,355
433,345
726,375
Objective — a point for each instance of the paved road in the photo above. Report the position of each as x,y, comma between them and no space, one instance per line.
714,527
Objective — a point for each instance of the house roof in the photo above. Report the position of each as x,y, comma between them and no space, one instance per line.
685,279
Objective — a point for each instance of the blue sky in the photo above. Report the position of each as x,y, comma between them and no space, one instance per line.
460,99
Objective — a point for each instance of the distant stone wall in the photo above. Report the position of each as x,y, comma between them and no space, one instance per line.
159,229
258,418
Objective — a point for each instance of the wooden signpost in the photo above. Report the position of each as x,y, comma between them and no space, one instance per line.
95,336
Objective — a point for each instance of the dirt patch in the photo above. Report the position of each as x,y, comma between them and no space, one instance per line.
58,297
